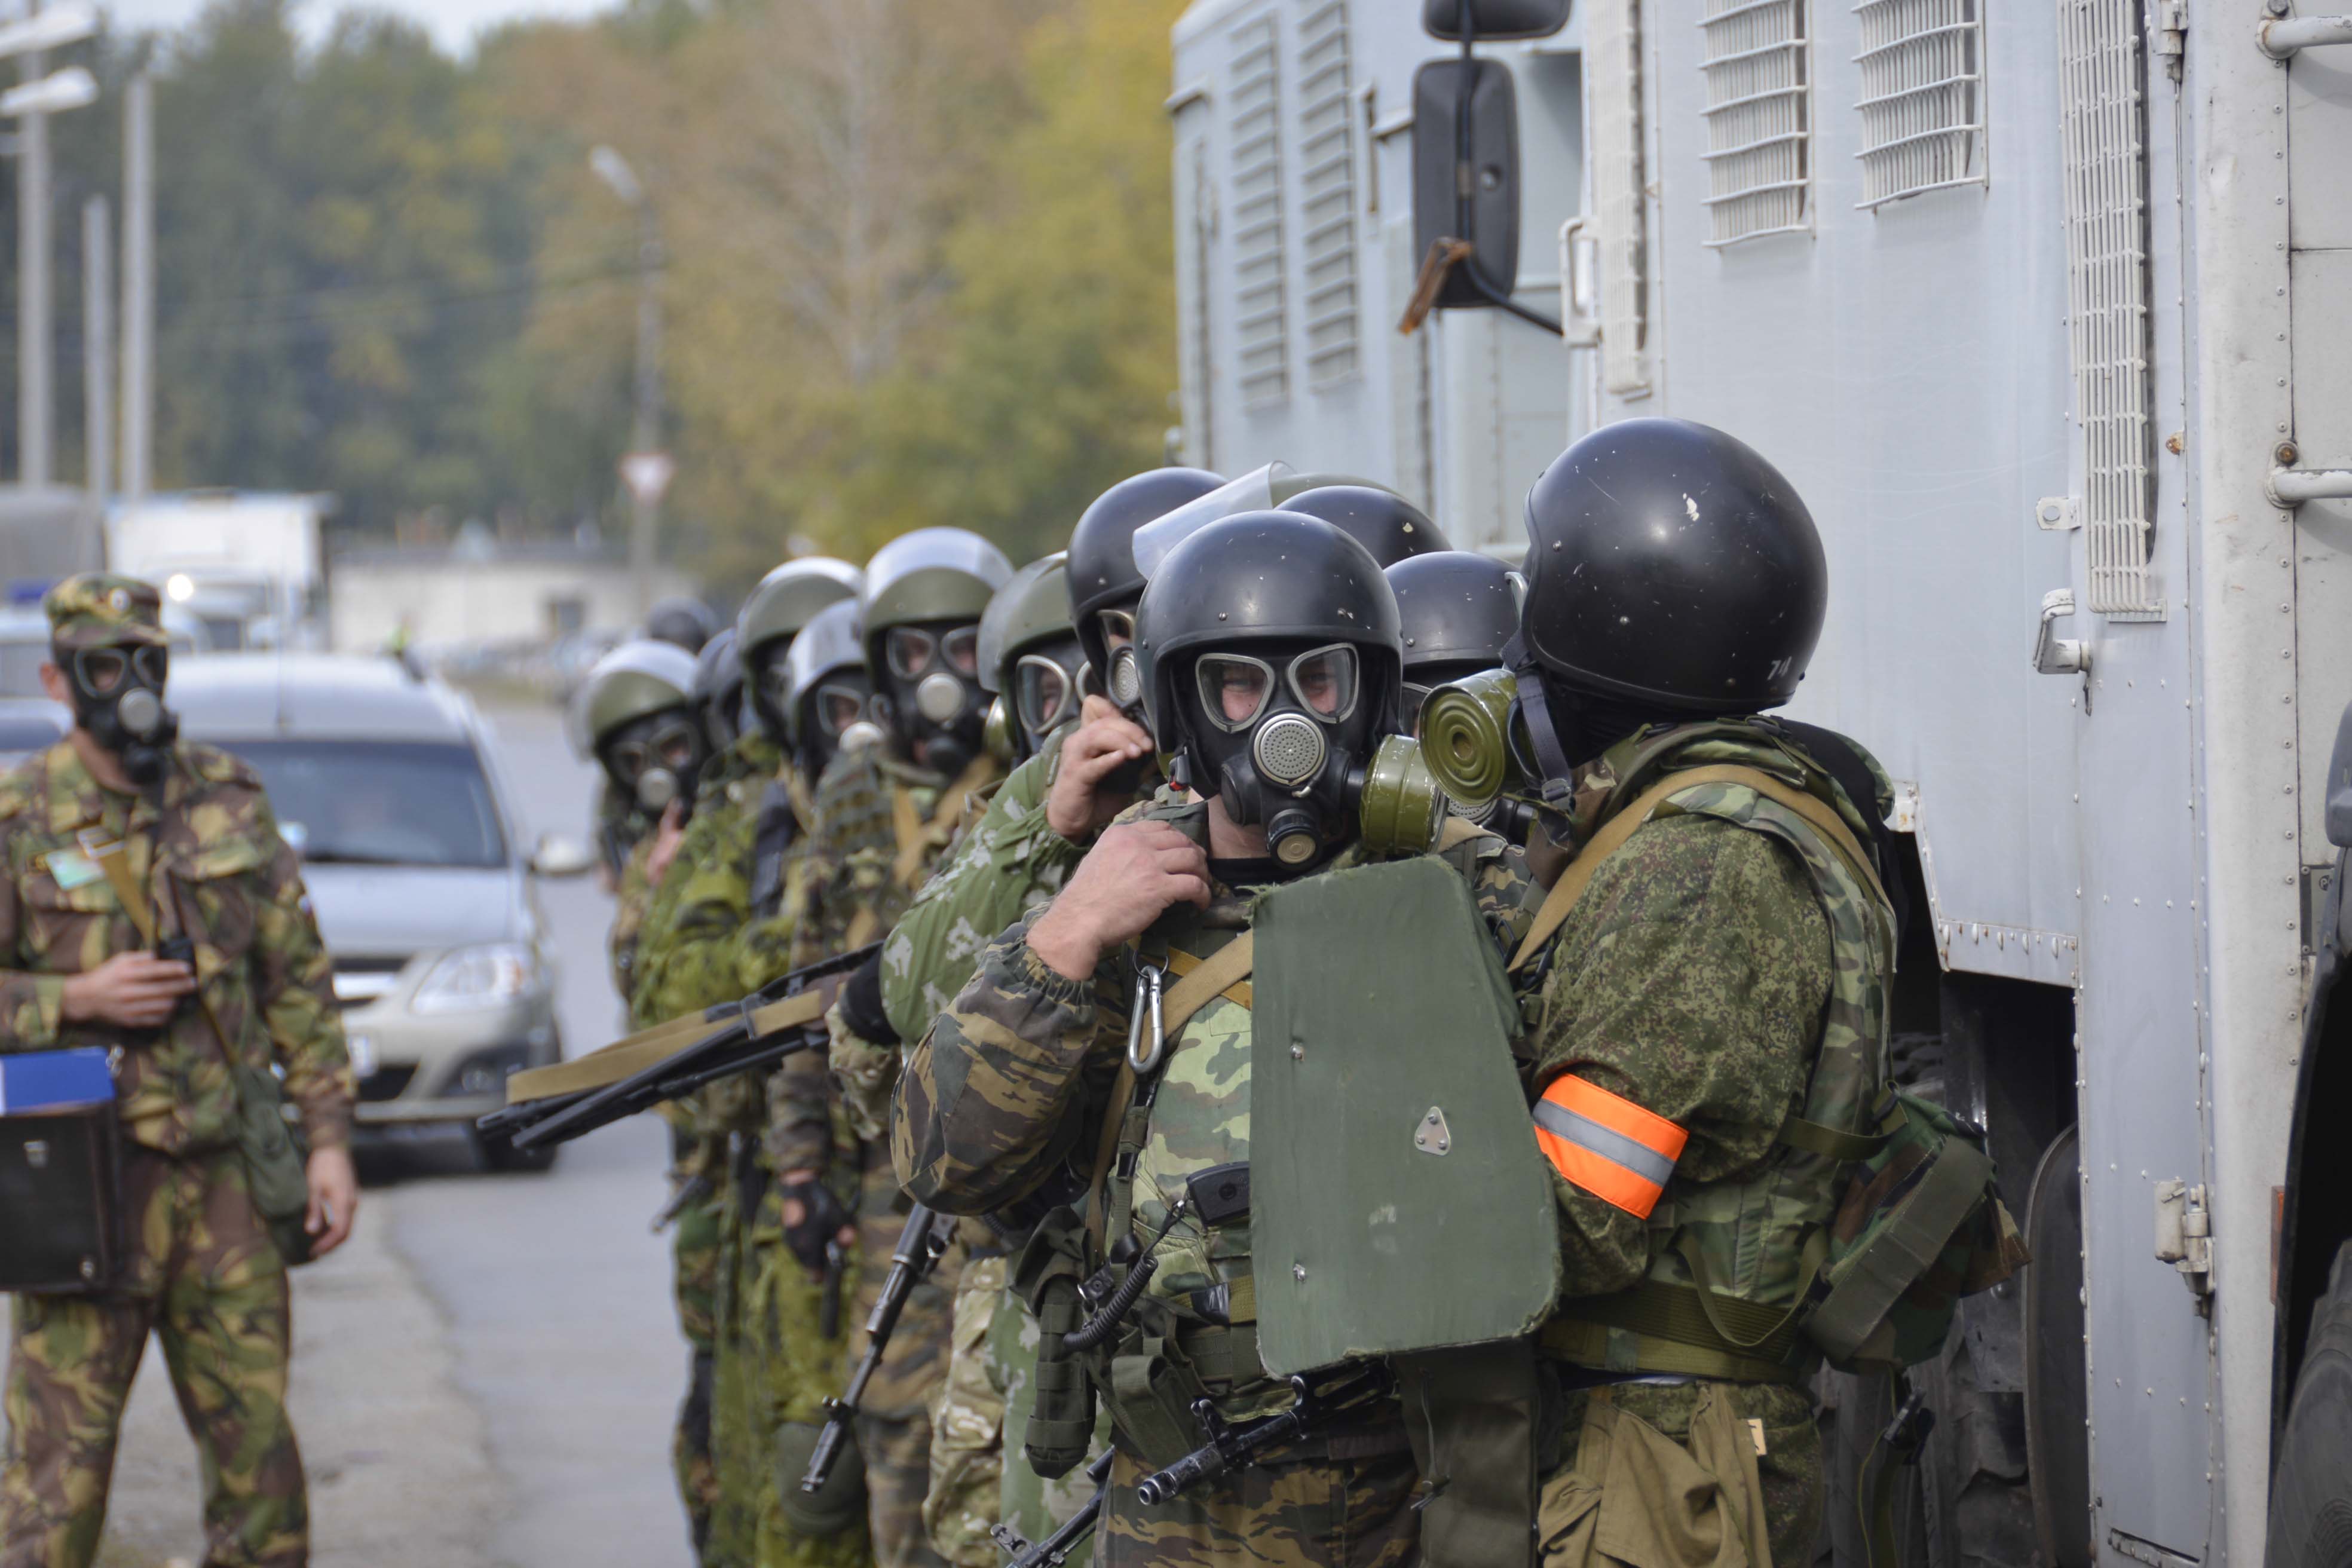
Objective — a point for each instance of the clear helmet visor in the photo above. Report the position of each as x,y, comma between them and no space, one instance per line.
1251,492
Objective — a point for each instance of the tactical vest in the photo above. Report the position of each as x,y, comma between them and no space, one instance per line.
1192,1332
1732,1261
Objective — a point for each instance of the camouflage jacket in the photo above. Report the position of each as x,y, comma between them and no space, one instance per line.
881,826
215,869
630,901
685,949
1013,1082
1708,965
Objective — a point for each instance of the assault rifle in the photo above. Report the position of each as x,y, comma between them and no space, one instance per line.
1238,1448
920,1246
1055,1549
781,1018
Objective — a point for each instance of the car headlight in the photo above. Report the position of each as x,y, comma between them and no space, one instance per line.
490,975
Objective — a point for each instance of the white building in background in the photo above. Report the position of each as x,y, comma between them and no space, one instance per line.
477,592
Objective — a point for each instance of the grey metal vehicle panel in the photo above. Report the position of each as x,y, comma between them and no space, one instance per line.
2150,838
390,927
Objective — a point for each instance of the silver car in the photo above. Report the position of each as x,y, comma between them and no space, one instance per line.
389,786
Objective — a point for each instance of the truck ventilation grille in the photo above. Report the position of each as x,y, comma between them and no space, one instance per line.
1260,287
1922,101
2103,117
1759,119
1326,158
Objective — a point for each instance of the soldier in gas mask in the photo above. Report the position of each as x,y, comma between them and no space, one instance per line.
150,908
1268,653
885,814
1457,609
719,690
688,960
637,707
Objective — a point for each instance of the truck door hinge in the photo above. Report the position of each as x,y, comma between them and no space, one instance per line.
2184,1237
2168,21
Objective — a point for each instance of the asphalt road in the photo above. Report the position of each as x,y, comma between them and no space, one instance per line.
486,1375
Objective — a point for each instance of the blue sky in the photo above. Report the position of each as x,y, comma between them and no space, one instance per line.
453,22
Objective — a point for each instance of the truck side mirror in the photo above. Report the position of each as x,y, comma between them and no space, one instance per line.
1495,19
1482,89
2339,785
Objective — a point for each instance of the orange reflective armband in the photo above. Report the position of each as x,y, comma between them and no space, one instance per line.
1605,1144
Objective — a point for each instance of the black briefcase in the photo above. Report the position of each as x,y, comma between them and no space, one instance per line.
61,1210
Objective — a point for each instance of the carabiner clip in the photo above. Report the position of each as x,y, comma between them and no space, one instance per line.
1149,978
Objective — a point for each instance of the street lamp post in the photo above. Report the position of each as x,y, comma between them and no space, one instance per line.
646,469
31,104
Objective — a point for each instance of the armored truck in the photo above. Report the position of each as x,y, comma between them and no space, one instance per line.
2042,307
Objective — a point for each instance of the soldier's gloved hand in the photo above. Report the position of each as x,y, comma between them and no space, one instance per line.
135,990
1082,801
812,1217
1132,874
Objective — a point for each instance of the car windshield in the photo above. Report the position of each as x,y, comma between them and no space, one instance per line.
380,803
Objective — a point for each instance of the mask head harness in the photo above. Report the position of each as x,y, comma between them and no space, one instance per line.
117,699
1268,647
925,594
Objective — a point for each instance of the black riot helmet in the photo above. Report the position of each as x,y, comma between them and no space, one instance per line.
826,690
719,688
772,615
1269,650
1383,521
1101,558
1456,609
1029,655
1670,566
683,622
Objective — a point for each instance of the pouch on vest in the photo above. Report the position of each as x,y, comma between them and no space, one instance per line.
1045,1278
1636,1497
1471,1415
1385,1110
1919,1225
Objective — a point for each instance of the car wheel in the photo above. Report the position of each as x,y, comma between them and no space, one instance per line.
499,1155
2311,1490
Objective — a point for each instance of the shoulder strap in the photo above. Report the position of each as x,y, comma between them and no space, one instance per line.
1122,1120
108,852
1613,833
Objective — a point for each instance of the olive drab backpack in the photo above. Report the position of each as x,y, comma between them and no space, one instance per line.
1883,1206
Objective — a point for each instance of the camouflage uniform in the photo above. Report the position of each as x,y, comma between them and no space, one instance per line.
882,823
686,962
1010,858
1697,976
202,1273
1014,1080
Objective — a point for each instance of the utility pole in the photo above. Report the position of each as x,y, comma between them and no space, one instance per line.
30,103
646,469
34,344
138,286
97,347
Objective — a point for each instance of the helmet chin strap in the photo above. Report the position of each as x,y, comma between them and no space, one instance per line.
1558,783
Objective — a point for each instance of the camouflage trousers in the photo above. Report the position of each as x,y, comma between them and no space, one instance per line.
206,1281
791,1367
1681,1465
694,1253
1311,1513
894,1424
736,1471
967,1457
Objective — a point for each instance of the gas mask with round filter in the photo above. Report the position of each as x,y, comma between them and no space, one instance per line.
931,693
1286,739
837,720
117,699
655,759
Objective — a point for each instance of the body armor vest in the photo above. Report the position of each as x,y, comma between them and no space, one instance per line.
1732,1261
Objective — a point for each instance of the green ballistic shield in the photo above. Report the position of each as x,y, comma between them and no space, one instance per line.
1399,1201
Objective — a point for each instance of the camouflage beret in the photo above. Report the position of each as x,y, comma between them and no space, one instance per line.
94,609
